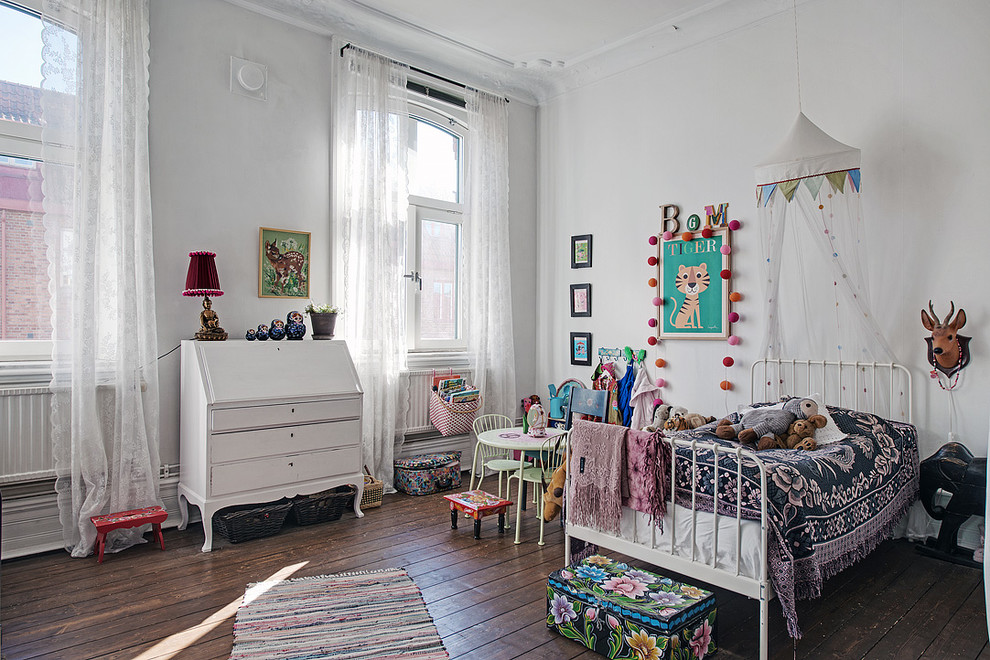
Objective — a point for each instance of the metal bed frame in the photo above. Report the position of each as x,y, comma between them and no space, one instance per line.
847,384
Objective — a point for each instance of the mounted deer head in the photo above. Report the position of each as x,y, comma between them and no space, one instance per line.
948,351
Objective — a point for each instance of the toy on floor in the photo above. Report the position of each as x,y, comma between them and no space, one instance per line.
800,435
553,496
769,422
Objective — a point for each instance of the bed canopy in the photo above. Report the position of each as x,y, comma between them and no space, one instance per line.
808,201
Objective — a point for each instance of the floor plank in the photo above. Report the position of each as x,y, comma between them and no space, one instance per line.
487,596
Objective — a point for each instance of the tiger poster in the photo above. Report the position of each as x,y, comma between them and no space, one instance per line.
695,297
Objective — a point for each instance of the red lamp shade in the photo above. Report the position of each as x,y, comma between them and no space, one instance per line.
202,278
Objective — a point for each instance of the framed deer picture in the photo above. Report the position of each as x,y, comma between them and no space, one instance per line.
283,267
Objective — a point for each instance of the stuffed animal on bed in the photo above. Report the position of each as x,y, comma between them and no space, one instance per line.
769,422
686,422
553,498
800,435
660,415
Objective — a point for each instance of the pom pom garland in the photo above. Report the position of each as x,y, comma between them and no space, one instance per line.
726,274
725,249
734,225
706,232
652,323
652,281
661,363
652,341
653,240
652,261
661,382
657,402
735,296
725,385
687,236
733,317
667,235
728,361
657,301
733,340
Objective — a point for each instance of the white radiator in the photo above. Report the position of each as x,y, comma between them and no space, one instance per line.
420,388
25,441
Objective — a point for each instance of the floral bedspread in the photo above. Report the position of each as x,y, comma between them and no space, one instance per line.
827,508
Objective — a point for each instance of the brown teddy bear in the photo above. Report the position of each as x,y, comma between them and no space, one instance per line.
800,435
553,498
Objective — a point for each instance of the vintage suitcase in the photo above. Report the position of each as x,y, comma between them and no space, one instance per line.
622,612
428,473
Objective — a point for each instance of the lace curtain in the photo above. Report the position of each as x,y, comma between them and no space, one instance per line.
371,205
489,295
97,202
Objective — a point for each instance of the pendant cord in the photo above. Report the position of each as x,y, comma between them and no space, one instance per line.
797,55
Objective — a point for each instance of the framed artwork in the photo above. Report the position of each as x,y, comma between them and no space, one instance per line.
580,300
695,296
581,348
581,251
283,266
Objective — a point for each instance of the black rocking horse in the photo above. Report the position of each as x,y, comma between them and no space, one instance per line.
952,469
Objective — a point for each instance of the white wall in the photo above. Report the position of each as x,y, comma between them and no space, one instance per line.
223,165
896,78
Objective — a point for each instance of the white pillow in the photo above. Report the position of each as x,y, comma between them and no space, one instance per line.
830,432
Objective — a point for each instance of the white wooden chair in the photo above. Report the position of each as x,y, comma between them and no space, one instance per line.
491,458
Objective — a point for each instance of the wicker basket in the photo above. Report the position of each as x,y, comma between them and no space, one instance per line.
323,506
251,521
373,491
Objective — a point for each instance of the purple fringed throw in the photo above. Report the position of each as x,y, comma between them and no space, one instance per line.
648,474
595,497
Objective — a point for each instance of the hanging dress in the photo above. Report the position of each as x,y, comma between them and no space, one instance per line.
624,390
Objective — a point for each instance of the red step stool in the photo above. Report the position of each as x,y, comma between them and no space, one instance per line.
477,504
155,515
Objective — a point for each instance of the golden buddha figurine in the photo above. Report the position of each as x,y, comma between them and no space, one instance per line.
210,322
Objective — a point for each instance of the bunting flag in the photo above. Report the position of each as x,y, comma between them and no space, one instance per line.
814,184
854,178
788,188
768,192
838,180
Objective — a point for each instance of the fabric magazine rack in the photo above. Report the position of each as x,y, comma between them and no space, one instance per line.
724,567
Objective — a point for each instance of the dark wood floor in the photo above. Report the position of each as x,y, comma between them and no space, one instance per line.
487,597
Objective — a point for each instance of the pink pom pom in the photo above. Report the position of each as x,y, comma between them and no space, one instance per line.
657,301
728,361
661,382
657,402
733,340
733,317
653,240
652,323
667,235
725,249
734,225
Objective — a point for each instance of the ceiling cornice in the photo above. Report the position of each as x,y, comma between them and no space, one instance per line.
535,79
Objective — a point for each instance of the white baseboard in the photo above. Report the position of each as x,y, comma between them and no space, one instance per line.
31,524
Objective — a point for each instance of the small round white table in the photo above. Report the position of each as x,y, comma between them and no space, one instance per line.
515,440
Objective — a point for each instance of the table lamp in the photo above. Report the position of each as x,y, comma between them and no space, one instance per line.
202,280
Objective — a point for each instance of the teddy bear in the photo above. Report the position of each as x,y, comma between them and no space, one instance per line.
686,422
769,422
553,498
800,435
660,415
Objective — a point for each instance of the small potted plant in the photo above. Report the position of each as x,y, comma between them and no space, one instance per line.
324,318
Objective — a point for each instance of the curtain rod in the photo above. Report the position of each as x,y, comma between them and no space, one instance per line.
426,90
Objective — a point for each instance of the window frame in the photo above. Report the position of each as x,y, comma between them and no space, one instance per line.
453,120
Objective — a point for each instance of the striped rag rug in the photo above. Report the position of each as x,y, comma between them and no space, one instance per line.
350,616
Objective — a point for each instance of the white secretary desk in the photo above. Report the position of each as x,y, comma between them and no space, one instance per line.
264,420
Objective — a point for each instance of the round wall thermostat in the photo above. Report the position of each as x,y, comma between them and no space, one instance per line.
251,77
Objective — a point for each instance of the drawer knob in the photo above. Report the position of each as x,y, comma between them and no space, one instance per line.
290,464
292,435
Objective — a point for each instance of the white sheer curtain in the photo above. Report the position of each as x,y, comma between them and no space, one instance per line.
98,229
489,295
371,206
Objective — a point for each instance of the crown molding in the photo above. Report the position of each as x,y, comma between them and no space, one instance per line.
539,76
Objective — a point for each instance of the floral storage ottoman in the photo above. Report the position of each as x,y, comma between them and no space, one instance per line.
625,613
428,473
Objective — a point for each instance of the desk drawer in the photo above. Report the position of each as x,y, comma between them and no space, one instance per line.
240,445
252,417
283,470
